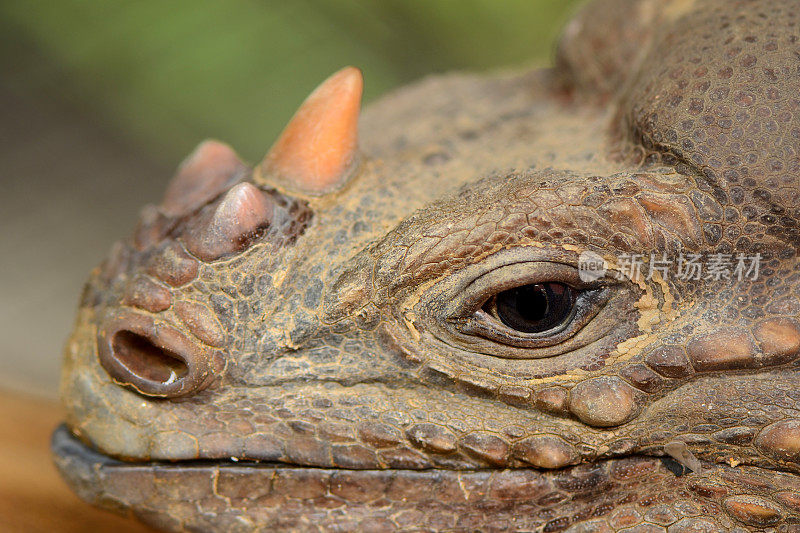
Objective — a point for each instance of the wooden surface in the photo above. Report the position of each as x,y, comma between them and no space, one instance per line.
33,498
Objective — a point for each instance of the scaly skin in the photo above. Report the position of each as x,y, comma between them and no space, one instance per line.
343,331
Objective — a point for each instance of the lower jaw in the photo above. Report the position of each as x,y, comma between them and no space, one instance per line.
602,496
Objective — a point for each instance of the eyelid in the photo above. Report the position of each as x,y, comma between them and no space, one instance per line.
461,305
482,325
446,309
480,289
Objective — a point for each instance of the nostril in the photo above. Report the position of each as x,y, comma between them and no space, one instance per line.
146,360
154,359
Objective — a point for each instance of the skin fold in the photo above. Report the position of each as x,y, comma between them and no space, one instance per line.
307,347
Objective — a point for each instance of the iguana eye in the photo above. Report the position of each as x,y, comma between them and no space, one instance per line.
541,306
524,303
533,308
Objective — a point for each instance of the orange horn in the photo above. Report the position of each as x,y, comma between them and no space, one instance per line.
316,152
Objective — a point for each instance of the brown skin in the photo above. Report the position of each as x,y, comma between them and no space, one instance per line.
345,332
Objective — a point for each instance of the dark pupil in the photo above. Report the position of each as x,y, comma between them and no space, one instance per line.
535,308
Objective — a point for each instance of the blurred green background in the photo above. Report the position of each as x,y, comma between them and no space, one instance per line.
101,100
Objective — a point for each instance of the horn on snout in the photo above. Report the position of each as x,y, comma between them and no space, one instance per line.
317,151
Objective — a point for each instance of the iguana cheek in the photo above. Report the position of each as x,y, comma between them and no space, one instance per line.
487,447
781,441
779,338
752,510
546,451
642,378
670,361
605,401
771,342
552,400
721,350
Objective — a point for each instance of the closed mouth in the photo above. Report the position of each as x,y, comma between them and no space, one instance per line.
214,494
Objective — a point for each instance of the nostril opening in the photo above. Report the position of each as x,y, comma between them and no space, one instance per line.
145,360
155,359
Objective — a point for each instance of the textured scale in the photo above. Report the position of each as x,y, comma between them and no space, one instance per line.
311,331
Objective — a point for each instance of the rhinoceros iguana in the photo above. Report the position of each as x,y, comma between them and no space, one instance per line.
562,299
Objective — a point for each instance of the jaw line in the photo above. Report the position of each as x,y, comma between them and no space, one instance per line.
209,494
67,447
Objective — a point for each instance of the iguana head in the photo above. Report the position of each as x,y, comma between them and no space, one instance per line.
481,281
